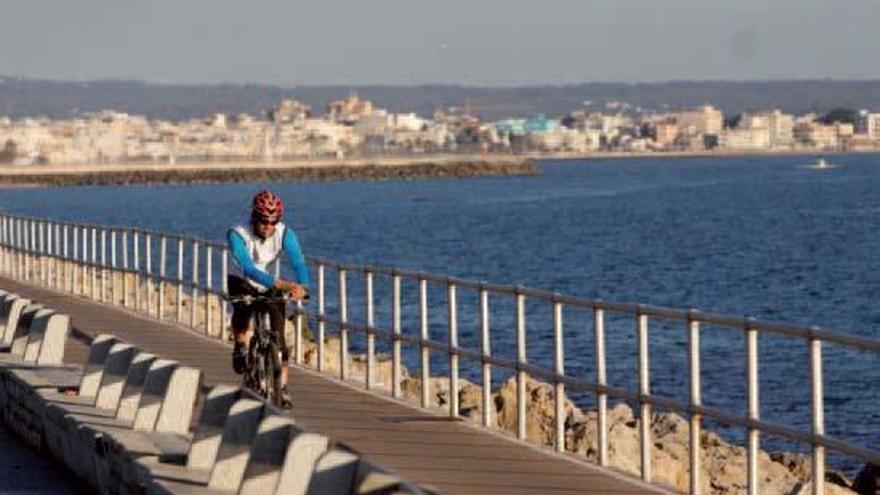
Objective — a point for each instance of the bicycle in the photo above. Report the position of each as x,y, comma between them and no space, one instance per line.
263,359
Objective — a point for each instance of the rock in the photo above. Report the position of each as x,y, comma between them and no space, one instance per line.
867,482
470,402
540,410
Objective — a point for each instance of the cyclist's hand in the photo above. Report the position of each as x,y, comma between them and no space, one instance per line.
298,292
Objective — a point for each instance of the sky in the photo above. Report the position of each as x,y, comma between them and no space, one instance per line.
470,42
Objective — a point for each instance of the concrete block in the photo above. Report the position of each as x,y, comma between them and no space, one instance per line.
335,472
267,455
37,334
209,431
373,480
15,306
180,400
94,367
57,328
155,386
134,386
299,463
235,446
22,331
114,376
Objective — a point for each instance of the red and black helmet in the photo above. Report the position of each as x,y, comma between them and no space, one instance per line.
267,206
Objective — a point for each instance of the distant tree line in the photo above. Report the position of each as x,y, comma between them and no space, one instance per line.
57,99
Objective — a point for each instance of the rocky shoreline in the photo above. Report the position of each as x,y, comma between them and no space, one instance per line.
136,175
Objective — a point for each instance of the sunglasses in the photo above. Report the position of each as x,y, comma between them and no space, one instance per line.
267,222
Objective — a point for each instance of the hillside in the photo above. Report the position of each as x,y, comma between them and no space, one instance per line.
60,99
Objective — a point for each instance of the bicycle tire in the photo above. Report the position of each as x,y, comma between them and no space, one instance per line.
273,373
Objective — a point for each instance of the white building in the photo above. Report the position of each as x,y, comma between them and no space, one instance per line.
869,123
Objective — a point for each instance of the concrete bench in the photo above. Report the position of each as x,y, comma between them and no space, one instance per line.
268,456
122,421
19,334
70,378
10,310
335,472
226,471
160,421
374,480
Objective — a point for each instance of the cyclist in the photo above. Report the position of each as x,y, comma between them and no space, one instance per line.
254,247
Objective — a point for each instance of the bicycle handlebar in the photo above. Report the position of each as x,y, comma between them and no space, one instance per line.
248,299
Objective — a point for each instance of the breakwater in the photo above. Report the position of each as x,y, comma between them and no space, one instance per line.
397,168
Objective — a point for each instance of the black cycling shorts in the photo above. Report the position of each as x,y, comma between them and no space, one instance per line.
243,312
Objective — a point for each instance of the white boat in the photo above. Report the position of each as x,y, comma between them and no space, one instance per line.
821,163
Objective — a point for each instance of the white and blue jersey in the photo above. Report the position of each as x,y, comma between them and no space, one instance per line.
253,255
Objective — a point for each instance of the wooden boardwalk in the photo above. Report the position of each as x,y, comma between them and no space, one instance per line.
448,455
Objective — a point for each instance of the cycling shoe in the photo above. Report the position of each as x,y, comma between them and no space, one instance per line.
239,360
286,401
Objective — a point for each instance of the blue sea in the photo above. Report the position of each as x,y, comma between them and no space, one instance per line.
768,237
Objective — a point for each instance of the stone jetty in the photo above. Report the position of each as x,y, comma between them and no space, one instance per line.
318,170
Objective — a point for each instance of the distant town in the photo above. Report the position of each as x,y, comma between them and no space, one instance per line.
354,127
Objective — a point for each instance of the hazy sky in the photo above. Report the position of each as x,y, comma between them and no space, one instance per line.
485,42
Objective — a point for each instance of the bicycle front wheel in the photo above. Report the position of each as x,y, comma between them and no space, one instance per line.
272,361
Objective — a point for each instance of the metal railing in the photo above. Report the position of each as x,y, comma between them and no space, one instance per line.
74,258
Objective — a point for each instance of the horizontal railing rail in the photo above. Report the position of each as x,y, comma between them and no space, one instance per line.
142,269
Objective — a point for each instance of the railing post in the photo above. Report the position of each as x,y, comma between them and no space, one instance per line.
696,401
50,252
68,278
125,272
486,349
395,331
179,299
209,254
76,287
194,297
453,349
601,382
135,241
298,336
114,294
163,272
559,361
753,406
103,264
520,360
371,324
19,246
148,271
93,288
343,331
28,243
644,392
425,350
818,413
59,261
38,252
321,318
33,250
56,254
